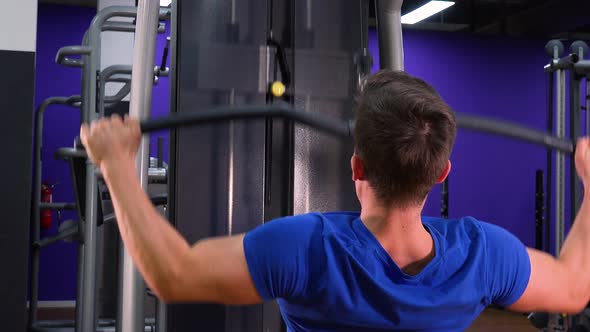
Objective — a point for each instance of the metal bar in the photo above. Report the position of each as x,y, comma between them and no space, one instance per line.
308,16
127,27
560,164
233,18
389,28
120,79
106,76
89,290
82,227
581,49
516,131
162,322
567,62
575,133
92,39
345,129
539,199
57,206
549,175
37,182
35,228
111,71
120,95
444,192
71,231
86,314
178,120
160,152
341,128
160,316
131,286
555,322
230,169
63,53
587,104
582,67
79,278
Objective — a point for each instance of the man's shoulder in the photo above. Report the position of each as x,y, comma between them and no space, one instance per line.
467,228
313,222
338,225
458,229
319,217
466,222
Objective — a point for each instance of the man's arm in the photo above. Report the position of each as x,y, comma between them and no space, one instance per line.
563,284
213,270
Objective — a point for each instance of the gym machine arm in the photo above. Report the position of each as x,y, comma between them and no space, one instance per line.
63,54
343,128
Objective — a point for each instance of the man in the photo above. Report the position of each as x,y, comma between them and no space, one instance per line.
385,268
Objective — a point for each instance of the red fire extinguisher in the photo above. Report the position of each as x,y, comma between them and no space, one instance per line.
46,197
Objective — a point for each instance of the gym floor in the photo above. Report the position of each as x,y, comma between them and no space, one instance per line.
501,320
491,320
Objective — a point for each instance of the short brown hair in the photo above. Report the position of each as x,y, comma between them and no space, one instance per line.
404,134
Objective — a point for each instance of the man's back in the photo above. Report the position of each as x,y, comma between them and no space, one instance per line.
330,273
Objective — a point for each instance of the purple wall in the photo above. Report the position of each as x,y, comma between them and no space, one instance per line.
60,26
492,178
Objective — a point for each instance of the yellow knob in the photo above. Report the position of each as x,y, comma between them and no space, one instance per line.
277,88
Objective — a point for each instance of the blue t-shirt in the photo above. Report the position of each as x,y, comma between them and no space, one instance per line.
329,273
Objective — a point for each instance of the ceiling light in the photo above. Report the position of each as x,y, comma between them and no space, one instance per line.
425,11
165,3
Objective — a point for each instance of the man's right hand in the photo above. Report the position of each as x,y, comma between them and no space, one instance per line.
583,160
563,284
111,139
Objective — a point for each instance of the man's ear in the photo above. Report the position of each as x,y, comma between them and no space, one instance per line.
356,164
444,173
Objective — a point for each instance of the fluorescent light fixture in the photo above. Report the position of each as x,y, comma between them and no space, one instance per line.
425,11
165,3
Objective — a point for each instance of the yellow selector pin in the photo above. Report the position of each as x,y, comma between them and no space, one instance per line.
277,88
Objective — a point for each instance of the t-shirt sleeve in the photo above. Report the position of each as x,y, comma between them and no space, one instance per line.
284,256
508,266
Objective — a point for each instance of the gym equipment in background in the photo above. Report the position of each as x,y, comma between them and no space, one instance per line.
90,203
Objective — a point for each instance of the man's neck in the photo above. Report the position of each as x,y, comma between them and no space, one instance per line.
401,233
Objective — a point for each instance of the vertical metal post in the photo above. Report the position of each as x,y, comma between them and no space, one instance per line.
581,49
575,131
539,210
230,169
549,175
555,321
86,310
161,322
35,213
444,201
81,222
554,49
389,29
560,163
587,105
131,285
35,227
79,278
89,321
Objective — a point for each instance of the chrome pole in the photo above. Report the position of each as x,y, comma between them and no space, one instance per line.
131,284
